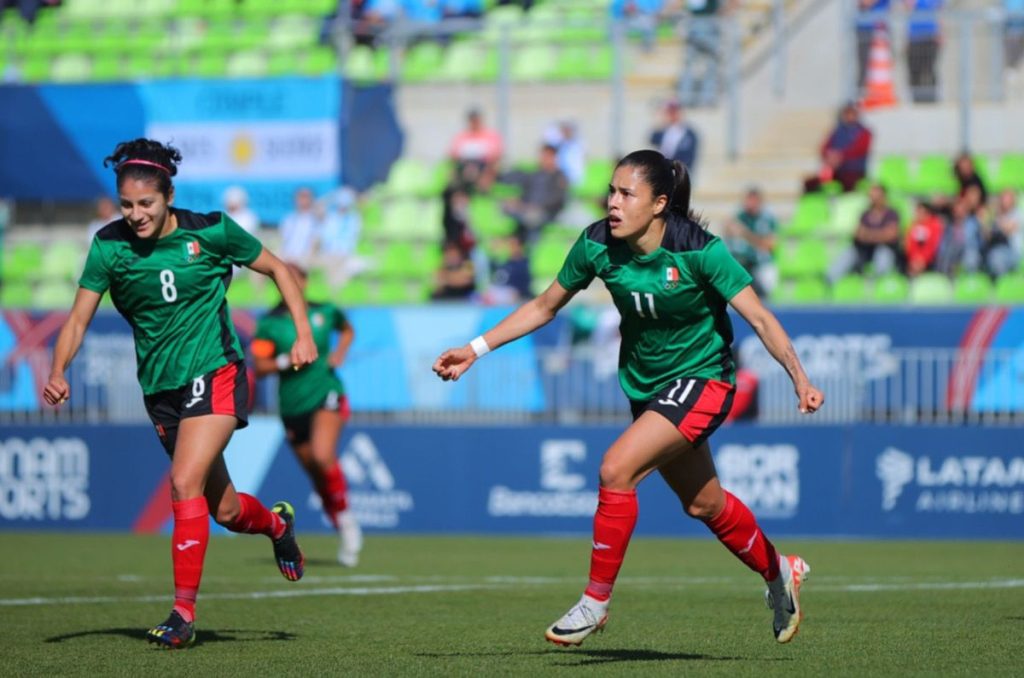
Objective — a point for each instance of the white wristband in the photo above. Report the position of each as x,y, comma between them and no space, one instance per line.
284,361
480,347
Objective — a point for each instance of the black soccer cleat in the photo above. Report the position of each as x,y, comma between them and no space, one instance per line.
286,550
173,634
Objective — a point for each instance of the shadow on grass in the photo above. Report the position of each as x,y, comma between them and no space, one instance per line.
578,657
202,635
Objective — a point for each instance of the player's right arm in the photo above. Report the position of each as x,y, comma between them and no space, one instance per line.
535,313
69,340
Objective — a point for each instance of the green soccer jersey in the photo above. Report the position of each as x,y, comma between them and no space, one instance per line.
672,302
171,292
303,390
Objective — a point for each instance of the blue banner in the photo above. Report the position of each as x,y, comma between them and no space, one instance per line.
864,481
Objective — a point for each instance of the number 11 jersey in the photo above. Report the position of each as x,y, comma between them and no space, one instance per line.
171,291
672,302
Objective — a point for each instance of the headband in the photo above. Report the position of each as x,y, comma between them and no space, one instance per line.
144,162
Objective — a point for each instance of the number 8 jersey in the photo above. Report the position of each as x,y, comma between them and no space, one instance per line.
672,302
171,292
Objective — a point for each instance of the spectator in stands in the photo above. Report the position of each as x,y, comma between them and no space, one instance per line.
476,150
923,38
456,278
967,177
572,156
1013,32
700,81
872,15
28,9
921,246
961,246
236,206
543,193
462,9
876,240
371,17
300,229
1006,243
106,211
844,153
455,218
339,235
640,16
676,139
510,281
750,237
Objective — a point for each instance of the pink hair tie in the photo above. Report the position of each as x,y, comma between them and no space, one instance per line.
144,162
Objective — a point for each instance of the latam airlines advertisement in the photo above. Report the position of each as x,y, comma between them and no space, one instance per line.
864,481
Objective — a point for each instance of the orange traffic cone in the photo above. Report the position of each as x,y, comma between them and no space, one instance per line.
878,86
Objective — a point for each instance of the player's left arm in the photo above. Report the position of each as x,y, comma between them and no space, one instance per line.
775,339
345,338
303,351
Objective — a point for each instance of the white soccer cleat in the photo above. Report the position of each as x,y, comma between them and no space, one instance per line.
351,539
584,618
783,596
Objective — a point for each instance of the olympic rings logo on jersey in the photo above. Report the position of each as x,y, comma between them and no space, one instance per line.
192,251
671,277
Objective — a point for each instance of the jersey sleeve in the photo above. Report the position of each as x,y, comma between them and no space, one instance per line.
578,269
96,274
722,271
240,247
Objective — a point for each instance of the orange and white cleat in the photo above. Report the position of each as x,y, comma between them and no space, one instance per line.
783,596
585,617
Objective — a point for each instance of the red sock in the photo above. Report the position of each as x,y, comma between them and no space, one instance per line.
333,491
188,548
737,528
255,518
613,526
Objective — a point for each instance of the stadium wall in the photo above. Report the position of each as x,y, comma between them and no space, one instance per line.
859,481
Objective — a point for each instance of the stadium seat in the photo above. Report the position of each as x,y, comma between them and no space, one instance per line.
53,294
812,212
22,261
487,218
210,65
546,260
931,288
399,261
320,61
15,294
802,258
422,62
247,64
805,290
282,62
1010,172
295,31
597,174
1010,289
531,63
354,292
890,289
393,292
108,67
850,289
409,178
846,211
242,293
973,288
894,173
935,176
61,261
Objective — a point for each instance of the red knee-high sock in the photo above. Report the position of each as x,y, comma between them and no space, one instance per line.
255,518
737,528
333,491
188,548
613,526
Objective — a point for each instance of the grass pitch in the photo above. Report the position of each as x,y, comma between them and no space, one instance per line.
444,606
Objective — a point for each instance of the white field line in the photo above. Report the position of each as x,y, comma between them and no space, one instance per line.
493,583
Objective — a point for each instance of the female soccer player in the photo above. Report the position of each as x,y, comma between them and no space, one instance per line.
670,281
167,270
313,405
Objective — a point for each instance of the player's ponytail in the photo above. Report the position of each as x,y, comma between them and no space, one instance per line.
665,177
145,160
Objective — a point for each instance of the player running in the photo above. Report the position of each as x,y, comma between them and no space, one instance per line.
167,270
313,405
670,281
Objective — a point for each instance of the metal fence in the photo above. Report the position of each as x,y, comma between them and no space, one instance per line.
580,385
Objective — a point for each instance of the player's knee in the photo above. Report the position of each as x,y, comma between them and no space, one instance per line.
185,485
616,476
702,509
227,514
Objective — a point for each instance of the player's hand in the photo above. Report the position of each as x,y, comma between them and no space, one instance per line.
335,359
57,391
454,362
810,398
303,352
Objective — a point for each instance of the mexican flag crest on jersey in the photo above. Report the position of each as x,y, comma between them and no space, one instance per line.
192,251
671,277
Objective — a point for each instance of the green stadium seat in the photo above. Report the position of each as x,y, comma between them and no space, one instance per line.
395,292
487,218
804,290
973,288
894,173
983,168
597,174
54,294
242,293
408,178
294,31
1010,172
891,289
845,214
282,62
108,67
403,219
399,262
546,261
1010,289
35,69
850,289
15,294
22,261
501,21
61,261
531,63
354,292
422,62
71,68
211,65
811,213
802,258
318,288
935,176
469,61
931,289
319,61
247,64
360,65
